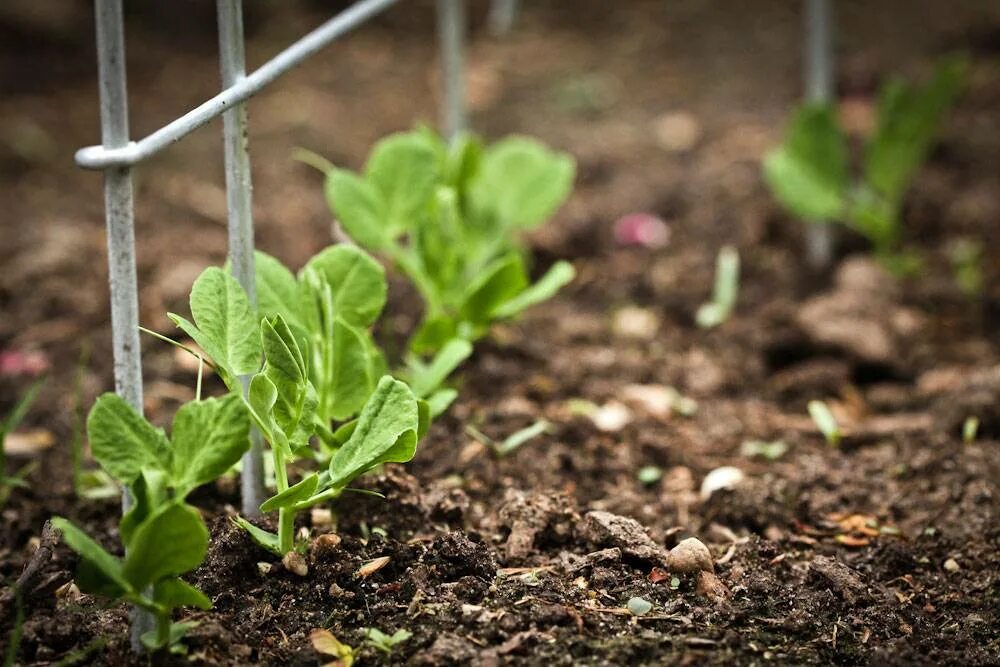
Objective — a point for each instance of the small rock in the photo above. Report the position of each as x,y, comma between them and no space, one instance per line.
637,323
676,131
725,477
711,587
639,606
295,563
264,568
612,416
951,565
321,517
325,543
335,591
606,529
690,556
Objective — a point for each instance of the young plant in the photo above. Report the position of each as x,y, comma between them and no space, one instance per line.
337,294
727,288
7,426
825,422
385,642
449,217
810,172
163,536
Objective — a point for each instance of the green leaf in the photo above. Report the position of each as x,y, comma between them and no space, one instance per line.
441,400
261,398
808,173
294,407
554,279
500,282
224,326
356,204
404,171
357,282
351,380
293,494
386,432
209,437
908,119
149,492
170,542
277,290
522,183
100,572
173,593
123,442
433,333
425,378
261,537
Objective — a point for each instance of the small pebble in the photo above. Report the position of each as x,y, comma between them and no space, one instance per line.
951,565
690,556
725,477
612,416
325,543
68,592
711,587
264,568
295,563
321,517
639,606
636,323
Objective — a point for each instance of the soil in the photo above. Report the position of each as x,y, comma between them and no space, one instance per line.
884,550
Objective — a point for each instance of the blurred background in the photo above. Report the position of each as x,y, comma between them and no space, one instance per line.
667,106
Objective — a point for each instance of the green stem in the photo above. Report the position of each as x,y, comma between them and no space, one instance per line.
286,516
162,630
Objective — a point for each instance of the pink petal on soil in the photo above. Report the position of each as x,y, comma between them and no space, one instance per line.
15,362
642,229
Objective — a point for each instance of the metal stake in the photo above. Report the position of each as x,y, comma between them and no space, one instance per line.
451,33
119,216
502,15
239,200
819,88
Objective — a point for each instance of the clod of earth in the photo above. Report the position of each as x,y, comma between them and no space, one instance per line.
711,587
295,563
690,556
606,529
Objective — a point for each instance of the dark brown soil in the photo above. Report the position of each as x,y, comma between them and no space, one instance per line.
885,550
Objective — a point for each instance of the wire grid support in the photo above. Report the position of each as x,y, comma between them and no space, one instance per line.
117,155
819,89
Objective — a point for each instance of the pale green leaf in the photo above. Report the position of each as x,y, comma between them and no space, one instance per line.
123,442
500,282
103,573
808,173
386,431
293,494
425,378
277,290
174,593
521,182
554,279
170,542
356,204
208,437
404,170
356,280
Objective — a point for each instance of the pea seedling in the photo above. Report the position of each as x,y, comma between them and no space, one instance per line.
825,422
163,536
449,218
725,292
338,291
8,482
809,173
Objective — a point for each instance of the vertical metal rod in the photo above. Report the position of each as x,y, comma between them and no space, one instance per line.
119,216
502,15
819,89
451,33
239,189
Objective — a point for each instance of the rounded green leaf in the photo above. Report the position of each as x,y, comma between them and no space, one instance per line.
169,543
356,280
123,442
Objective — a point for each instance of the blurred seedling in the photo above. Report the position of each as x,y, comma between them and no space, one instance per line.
825,422
7,426
725,292
810,172
970,429
966,257
513,441
383,642
649,475
325,643
771,450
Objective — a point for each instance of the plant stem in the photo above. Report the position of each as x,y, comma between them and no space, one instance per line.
286,516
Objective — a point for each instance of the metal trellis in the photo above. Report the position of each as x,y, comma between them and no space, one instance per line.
117,155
